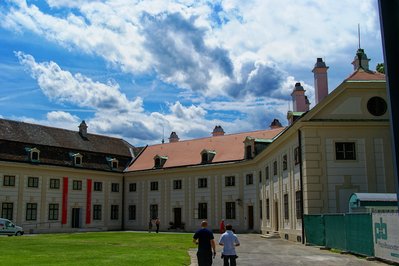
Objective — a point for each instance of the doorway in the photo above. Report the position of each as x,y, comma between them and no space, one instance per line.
76,218
250,217
177,216
276,221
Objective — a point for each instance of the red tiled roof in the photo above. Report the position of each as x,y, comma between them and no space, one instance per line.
363,75
184,153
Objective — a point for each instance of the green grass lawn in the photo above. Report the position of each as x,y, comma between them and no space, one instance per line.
105,248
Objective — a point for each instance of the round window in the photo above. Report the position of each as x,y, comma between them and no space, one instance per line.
377,106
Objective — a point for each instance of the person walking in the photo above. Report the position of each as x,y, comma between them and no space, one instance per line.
157,223
229,241
206,244
150,226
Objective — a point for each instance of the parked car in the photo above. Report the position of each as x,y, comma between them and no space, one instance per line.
9,228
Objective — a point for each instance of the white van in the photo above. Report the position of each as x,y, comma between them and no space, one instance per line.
10,229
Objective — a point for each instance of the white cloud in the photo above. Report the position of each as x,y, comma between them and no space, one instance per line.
186,44
62,86
114,114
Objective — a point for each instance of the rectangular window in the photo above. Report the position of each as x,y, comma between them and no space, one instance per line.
345,151
267,173
114,187
53,210
114,212
248,151
77,185
202,183
285,162
230,181
132,187
54,183
33,182
230,210
267,209
275,168
31,211
9,181
298,204
132,212
153,211
260,176
177,184
97,212
98,186
296,155
202,211
7,210
249,179
286,211
260,209
154,186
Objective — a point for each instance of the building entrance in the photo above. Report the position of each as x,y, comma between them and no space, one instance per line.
76,218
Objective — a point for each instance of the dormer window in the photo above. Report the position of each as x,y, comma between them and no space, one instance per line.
77,159
207,156
113,163
248,147
34,154
248,152
159,161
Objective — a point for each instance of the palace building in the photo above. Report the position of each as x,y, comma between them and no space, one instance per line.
57,180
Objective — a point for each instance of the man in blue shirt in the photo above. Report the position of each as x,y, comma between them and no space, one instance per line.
229,241
206,243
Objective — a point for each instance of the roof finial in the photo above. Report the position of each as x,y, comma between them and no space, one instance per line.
163,134
358,33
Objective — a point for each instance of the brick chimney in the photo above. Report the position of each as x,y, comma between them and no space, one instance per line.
218,131
300,102
320,80
83,129
173,137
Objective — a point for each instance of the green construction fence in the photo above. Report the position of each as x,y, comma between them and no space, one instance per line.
352,232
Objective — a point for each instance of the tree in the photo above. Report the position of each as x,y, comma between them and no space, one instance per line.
380,68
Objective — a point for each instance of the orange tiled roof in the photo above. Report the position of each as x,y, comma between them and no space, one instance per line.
363,75
184,153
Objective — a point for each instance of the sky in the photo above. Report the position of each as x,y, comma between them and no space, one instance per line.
139,70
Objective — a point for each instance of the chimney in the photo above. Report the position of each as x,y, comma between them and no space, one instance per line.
299,99
173,137
320,80
218,131
275,124
83,129
360,60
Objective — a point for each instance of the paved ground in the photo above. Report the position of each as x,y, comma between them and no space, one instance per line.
255,250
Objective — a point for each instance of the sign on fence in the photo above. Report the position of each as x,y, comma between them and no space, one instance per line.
386,236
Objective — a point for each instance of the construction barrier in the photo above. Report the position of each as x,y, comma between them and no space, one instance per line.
350,232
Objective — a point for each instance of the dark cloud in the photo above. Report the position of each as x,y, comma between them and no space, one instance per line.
258,79
181,55
133,130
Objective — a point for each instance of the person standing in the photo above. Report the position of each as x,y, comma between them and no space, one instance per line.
206,244
157,223
229,241
222,228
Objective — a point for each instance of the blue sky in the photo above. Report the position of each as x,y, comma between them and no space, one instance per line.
138,70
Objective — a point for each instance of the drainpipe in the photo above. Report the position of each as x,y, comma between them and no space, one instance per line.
123,204
301,182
